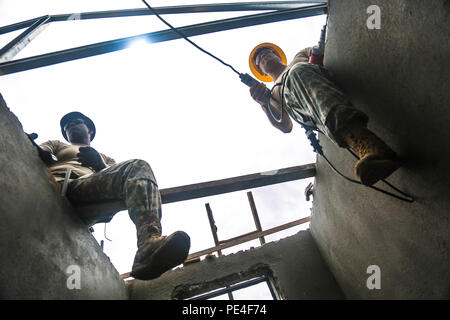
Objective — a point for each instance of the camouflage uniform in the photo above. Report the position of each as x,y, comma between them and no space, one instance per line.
313,99
133,182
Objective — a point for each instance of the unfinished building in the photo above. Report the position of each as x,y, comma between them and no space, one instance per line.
398,77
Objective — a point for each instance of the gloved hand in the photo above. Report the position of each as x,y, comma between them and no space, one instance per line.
46,156
89,157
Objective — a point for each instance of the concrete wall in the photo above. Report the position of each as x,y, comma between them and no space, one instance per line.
399,75
40,234
294,264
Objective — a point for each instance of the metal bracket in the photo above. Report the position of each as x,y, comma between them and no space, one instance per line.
21,41
309,191
159,36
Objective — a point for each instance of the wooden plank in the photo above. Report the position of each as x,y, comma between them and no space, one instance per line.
249,234
213,226
239,240
205,189
248,237
255,215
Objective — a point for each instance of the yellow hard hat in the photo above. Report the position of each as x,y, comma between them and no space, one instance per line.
255,69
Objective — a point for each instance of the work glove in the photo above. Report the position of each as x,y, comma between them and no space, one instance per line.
46,156
89,157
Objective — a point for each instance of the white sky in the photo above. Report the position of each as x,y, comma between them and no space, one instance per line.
185,113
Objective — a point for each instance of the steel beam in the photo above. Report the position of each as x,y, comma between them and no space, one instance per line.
196,8
159,36
23,39
17,26
235,287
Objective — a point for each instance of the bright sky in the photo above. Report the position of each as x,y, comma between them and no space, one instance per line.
186,114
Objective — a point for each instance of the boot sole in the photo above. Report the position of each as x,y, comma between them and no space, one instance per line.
370,171
171,254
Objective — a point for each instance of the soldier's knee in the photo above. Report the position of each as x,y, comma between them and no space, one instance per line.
142,169
304,68
139,163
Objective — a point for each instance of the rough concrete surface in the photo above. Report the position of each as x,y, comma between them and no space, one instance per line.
294,263
40,234
399,75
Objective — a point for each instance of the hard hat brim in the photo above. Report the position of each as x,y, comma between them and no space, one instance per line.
72,115
252,63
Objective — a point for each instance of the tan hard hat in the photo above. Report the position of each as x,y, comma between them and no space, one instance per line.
252,62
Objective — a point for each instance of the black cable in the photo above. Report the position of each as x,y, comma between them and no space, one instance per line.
281,104
187,39
407,199
269,107
104,234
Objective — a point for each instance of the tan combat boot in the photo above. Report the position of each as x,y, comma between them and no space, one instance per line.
157,254
377,160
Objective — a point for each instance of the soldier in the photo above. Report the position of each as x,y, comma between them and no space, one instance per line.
96,178
307,94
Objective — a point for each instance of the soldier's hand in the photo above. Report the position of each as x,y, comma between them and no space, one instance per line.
260,93
89,157
46,156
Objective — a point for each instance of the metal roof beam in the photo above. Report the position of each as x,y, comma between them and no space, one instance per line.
21,41
159,36
196,8
201,8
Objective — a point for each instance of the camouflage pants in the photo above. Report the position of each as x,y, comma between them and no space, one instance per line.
133,182
315,100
